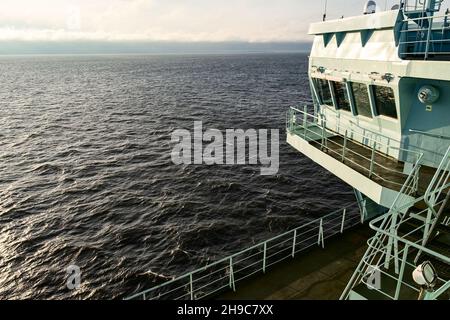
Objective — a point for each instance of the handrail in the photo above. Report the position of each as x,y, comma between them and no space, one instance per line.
318,118
430,194
388,220
429,35
412,244
231,267
372,141
376,244
430,134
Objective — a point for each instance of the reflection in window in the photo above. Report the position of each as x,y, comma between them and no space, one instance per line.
341,95
361,99
385,101
323,91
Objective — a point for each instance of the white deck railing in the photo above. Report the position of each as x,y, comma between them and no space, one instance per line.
224,275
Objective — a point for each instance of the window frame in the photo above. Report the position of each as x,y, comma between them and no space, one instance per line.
375,105
333,91
354,104
321,102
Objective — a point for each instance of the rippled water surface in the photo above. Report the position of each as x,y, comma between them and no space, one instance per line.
86,176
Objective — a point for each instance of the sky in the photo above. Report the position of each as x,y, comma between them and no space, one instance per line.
31,22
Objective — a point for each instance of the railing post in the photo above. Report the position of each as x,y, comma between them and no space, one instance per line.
402,271
144,296
343,220
372,160
364,212
320,239
305,116
323,137
264,257
345,146
305,121
416,178
294,243
232,283
191,286
430,28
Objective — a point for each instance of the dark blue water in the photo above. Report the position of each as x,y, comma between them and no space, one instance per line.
86,176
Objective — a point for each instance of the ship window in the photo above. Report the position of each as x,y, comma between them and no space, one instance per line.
323,91
361,99
341,95
385,101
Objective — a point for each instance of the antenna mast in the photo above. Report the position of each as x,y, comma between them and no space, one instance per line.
325,11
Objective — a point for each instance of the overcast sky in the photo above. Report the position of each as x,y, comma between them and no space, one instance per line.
167,20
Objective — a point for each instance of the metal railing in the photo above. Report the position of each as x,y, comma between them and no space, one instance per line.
441,177
378,243
438,136
225,274
425,35
379,254
409,250
421,5
313,127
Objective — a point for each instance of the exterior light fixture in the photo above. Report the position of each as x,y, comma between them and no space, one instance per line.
428,95
426,277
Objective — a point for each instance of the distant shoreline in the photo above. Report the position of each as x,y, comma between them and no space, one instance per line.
149,48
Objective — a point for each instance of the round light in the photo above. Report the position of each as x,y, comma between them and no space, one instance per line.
425,275
428,95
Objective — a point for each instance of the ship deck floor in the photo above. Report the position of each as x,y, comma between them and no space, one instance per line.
316,274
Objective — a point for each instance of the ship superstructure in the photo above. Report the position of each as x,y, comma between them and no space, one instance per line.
381,122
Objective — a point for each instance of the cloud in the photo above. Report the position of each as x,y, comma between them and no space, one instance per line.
152,20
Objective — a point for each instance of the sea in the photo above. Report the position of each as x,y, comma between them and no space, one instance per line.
87,179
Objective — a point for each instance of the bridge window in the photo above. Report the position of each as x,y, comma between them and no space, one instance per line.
341,95
323,91
361,99
385,101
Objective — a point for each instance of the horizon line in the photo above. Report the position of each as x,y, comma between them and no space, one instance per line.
12,47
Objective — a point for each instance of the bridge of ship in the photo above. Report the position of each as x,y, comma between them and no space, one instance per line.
412,181
358,156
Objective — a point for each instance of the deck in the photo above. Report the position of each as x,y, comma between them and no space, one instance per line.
316,274
384,170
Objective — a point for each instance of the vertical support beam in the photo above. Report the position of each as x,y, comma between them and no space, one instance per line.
372,160
191,287
305,120
387,260
364,213
343,220
360,200
323,137
264,257
402,272
294,243
320,240
232,283
344,149
431,10
396,253
416,177
428,223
